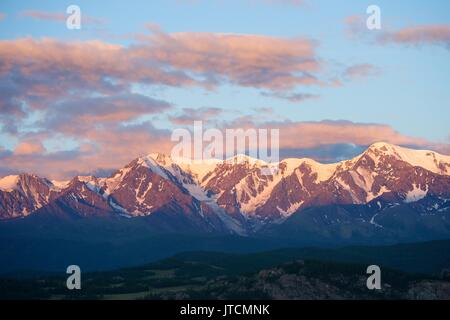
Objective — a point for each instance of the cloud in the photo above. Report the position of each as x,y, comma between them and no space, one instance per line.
189,115
361,71
58,16
104,148
282,2
291,97
77,115
266,110
101,133
84,65
307,135
34,73
2,16
44,15
256,2
84,80
355,26
242,59
419,35
4,152
313,134
28,148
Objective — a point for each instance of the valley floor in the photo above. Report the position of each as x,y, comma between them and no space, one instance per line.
274,275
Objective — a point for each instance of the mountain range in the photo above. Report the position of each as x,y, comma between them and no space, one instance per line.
388,192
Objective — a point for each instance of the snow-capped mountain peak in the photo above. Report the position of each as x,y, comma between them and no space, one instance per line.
22,194
427,159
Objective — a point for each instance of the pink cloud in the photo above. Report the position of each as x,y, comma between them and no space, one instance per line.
89,61
355,26
189,115
283,2
112,146
361,71
256,2
78,115
291,97
414,35
299,135
246,60
44,15
103,148
39,74
29,148
420,35
41,71
58,16
311,134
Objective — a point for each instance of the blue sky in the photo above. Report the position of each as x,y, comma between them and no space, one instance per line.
406,88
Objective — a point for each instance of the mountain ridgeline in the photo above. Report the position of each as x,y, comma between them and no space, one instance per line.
387,194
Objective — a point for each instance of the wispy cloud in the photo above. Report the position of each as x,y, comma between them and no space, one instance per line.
29,148
57,16
294,134
75,116
243,59
361,71
419,35
256,2
189,115
291,97
313,134
355,26
106,147
281,2
37,73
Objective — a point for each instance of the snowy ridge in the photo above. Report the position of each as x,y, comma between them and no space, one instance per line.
429,160
260,198
416,194
9,183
